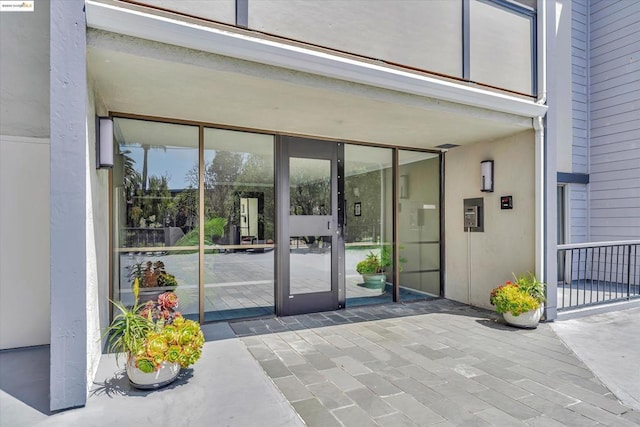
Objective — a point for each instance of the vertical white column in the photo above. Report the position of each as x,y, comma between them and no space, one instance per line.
68,94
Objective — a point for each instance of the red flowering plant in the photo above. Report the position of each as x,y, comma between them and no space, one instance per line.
154,333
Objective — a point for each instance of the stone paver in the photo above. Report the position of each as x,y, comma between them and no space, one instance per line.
429,363
434,363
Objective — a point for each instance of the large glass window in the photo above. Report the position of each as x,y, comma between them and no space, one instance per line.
194,213
419,223
155,211
368,232
239,224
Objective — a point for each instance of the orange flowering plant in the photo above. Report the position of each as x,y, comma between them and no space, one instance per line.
155,332
524,294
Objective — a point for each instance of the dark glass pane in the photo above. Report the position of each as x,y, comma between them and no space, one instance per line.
310,264
309,186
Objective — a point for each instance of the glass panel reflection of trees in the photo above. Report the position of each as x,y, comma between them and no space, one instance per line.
156,221
155,207
369,214
369,220
239,197
309,186
419,223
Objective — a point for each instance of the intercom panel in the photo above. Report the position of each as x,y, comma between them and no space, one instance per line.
474,214
471,217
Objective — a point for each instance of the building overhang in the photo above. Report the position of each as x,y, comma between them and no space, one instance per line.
138,23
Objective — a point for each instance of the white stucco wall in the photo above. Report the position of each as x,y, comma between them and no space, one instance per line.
24,241
24,178
24,72
97,246
507,244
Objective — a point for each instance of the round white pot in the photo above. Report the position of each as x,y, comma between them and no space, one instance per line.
529,319
166,374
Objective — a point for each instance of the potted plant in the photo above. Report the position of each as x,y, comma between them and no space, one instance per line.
521,302
372,269
153,278
156,340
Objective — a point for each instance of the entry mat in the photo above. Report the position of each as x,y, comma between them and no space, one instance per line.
406,294
263,311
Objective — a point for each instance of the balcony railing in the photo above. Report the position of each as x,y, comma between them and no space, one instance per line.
597,273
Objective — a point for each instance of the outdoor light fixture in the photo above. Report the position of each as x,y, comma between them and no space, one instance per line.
104,143
486,168
404,186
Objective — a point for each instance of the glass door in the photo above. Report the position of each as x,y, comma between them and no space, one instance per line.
311,249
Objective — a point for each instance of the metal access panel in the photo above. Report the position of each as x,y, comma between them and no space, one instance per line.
474,214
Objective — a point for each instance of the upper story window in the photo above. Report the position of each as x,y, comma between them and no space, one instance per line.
502,45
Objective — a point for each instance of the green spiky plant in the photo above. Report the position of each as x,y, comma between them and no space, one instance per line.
128,330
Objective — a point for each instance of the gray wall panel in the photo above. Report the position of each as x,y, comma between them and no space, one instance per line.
612,147
578,213
618,137
421,34
24,72
216,10
615,15
624,46
580,160
614,110
612,129
619,77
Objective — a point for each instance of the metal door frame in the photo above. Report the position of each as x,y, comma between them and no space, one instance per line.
286,304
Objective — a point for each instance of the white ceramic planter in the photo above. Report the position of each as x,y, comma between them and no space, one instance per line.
166,374
529,319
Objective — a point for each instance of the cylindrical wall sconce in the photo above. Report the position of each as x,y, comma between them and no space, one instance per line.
104,143
486,169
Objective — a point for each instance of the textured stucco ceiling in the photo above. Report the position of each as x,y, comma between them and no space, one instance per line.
141,77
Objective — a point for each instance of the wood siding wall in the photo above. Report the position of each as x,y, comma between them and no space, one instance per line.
614,116
580,85
578,194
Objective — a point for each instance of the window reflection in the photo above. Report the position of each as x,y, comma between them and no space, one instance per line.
156,211
239,224
310,186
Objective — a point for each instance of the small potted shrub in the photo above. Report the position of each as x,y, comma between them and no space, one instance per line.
372,269
152,278
521,302
156,340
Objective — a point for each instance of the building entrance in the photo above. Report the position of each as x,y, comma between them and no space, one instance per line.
241,224
310,254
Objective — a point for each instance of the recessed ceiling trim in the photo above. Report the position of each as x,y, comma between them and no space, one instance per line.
144,25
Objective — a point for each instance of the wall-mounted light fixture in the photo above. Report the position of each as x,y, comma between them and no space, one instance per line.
404,186
104,142
486,168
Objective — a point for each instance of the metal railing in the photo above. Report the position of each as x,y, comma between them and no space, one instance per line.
598,272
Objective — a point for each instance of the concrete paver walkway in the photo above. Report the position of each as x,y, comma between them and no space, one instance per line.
609,343
432,363
418,364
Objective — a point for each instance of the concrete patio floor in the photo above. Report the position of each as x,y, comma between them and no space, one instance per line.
415,364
